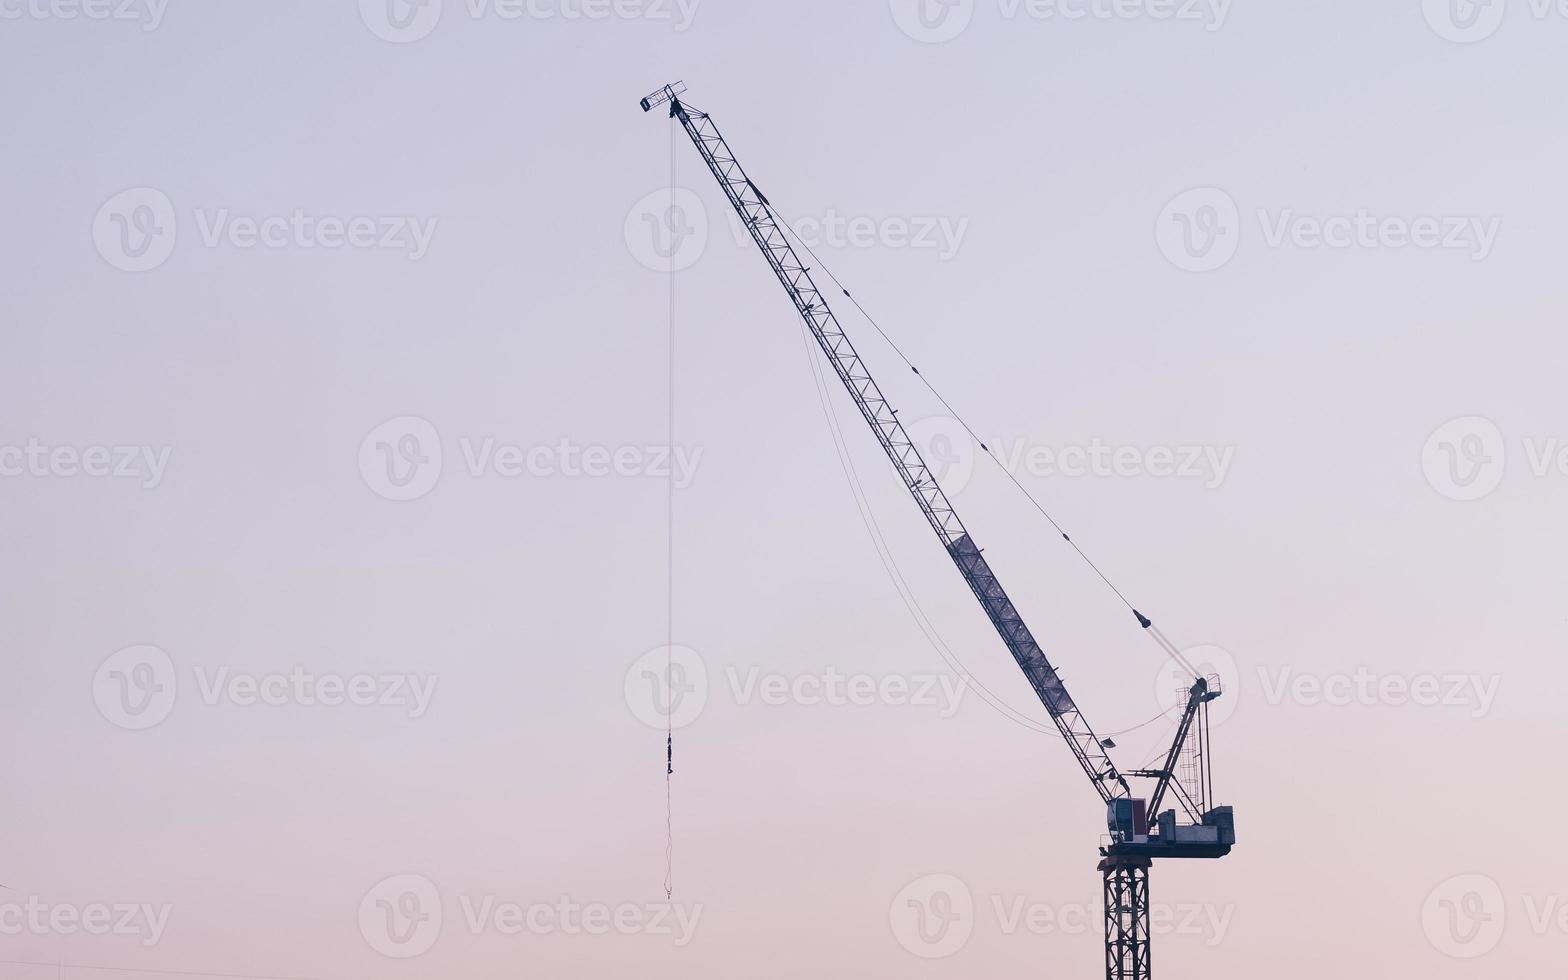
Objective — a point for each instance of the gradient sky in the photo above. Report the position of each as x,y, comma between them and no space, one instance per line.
254,392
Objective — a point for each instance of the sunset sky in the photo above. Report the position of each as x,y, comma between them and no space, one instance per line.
335,463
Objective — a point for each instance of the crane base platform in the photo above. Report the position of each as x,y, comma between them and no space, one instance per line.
1213,838
1156,848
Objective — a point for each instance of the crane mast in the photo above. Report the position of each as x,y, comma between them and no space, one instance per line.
763,223
1133,844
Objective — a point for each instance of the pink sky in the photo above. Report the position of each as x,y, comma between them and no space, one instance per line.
263,263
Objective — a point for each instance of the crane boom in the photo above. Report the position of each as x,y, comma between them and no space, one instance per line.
1133,845
766,230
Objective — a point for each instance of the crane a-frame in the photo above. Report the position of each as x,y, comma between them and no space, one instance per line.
1200,830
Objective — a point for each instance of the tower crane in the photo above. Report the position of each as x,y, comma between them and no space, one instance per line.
1200,829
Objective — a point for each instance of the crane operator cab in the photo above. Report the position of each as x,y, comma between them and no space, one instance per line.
1132,836
1208,831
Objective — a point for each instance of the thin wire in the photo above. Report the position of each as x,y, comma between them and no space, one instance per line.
1160,755
1164,644
895,573
1170,648
1159,717
669,649
885,555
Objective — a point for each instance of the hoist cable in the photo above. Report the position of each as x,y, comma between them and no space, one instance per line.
885,554
895,573
1143,621
669,648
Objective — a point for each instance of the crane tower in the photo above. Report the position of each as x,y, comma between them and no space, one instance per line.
1139,831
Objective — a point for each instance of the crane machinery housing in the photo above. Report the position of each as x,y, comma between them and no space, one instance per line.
1139,831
